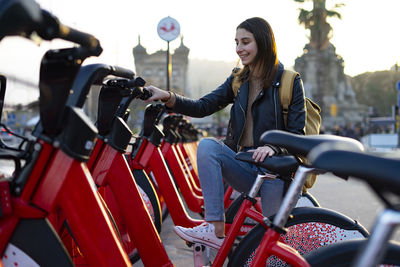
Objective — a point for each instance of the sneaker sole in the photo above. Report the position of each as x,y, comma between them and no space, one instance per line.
195,240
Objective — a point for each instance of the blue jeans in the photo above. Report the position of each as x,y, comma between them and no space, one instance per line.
216,161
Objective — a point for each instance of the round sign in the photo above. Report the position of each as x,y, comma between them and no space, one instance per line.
168,29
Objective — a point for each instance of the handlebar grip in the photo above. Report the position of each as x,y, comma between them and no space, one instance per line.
82,38
122,72
146,94
137,82
50,27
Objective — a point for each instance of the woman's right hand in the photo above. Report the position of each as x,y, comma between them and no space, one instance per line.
157,94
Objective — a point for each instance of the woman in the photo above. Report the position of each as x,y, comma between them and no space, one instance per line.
256,109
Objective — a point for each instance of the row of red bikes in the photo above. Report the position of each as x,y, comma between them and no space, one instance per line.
89,193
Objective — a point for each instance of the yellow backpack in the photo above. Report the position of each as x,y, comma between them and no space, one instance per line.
313,117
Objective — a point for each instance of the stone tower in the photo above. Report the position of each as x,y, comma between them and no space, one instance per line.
152,67
322,71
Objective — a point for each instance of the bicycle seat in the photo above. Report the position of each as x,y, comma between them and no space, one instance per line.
284,165
380,172
301,145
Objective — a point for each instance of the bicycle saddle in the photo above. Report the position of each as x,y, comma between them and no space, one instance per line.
382,173
284,165
301,145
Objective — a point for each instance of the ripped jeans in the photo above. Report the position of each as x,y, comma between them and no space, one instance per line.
216,161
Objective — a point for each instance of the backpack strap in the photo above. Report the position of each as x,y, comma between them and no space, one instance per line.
285,92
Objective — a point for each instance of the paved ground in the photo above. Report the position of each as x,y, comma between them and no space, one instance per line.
351,198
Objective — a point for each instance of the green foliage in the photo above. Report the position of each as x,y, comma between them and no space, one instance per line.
311,17
315,20
377,89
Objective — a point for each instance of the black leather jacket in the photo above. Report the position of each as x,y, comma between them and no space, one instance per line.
266,109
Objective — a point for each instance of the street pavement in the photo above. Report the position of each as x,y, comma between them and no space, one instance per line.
352,198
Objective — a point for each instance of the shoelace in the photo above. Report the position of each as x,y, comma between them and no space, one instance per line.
202,227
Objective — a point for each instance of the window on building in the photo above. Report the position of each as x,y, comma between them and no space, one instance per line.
147,72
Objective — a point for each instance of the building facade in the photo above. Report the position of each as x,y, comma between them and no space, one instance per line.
153,67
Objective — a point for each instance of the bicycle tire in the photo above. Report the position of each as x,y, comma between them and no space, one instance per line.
308,229
342,254
148,191
23,248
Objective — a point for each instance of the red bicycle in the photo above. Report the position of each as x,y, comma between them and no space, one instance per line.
54,177
315,227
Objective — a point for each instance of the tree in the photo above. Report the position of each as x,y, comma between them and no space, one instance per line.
320,33
315,21
377,90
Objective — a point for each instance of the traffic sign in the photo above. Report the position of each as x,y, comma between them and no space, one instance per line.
168,29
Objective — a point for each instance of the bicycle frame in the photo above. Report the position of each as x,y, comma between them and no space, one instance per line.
60,189
271,243
190,160
192,199
110,169
150,158
180,144
193,180
245,211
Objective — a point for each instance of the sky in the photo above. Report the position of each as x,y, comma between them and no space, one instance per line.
367,36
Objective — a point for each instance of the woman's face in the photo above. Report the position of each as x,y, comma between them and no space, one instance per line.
246,46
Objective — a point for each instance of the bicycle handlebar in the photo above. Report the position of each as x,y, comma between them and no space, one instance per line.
138,82
51,28
121,72
23,17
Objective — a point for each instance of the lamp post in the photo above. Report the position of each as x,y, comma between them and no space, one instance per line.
168,29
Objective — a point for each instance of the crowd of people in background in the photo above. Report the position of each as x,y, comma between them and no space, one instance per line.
356,130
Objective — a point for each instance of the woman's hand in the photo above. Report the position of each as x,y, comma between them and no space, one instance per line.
261,152
157,94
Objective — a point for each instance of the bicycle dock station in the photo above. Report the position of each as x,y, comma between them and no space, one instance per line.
91,193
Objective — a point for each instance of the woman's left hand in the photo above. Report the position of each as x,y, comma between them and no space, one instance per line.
261,152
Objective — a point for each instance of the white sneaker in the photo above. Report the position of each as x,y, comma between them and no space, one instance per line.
203,234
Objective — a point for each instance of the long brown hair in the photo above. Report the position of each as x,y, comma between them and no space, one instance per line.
266,58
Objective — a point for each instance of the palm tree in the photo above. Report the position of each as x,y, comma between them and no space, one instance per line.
315,21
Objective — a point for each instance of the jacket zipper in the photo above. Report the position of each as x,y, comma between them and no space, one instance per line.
276,116
241,133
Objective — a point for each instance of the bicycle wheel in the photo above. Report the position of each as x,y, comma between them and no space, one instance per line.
342,254
309,228
24,248
149,196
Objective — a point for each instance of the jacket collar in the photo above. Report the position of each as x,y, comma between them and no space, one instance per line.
244,88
